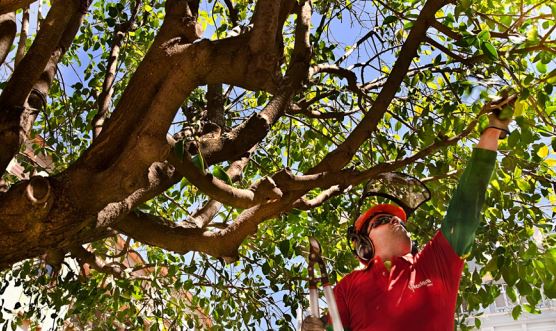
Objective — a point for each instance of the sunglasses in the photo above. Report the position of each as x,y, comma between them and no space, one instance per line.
381,219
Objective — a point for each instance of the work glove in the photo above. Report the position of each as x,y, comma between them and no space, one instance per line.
311,323
501,111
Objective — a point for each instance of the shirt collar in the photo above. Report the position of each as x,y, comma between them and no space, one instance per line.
407,258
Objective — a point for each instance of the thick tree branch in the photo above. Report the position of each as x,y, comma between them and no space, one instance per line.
8,29
156,231
179,26
34,62
8,6
157,175
14,95
263,191
256,67
265,26
118,270
20,208
252,131
343,154
37,99
308,204
247,134
288,182
204,215
215,105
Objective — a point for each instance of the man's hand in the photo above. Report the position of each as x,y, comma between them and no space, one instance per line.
494,121
501,114
311,323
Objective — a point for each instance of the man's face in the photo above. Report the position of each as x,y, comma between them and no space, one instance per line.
389,236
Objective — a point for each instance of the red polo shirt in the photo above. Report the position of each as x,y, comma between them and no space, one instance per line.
418,293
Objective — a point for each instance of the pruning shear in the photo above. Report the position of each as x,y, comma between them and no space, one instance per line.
316,258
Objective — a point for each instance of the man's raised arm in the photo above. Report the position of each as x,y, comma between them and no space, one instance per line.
463,215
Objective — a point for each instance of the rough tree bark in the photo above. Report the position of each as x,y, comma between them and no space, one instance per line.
8,6
8,29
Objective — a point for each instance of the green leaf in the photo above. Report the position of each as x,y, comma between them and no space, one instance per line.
550,289
484,35
543,152
516,312
550,260
179,149
511,293
466,41
266,268
221,174
522,184
112,11
551,77
408,25
483,123
491,266
520,107
389,19
284,247
523,287
489,50
199,162
510,274
432,85
506,113
541,67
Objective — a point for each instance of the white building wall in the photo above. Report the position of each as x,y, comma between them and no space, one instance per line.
498,316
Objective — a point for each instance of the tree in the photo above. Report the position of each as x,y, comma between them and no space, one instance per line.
237,128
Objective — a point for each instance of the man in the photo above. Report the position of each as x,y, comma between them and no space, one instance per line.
399,291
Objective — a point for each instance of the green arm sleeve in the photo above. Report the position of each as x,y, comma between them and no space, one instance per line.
463,215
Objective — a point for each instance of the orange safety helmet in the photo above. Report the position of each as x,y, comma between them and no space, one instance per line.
359,242
384,208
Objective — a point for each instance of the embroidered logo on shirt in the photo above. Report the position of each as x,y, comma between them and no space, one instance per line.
427,282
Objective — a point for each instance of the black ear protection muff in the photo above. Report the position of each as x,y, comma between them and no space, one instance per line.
362,247
360,244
